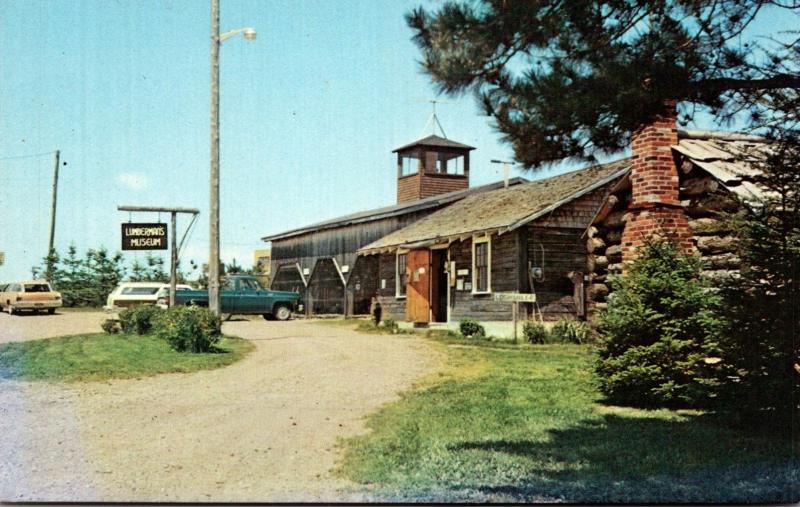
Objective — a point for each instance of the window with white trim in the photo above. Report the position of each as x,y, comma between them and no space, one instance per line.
481,265
400,276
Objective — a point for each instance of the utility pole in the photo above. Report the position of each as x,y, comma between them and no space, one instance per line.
249,34
48,264
213,208
53,207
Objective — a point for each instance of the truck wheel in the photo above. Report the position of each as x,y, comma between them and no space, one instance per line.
51,311
282,312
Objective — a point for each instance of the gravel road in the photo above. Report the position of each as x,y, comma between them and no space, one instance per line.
29,326
261,430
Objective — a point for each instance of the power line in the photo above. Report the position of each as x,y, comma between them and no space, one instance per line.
15,157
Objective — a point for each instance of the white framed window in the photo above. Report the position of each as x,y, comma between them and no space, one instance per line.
401,276
482,265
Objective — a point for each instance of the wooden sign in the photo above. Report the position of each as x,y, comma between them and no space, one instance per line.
144,236
517,297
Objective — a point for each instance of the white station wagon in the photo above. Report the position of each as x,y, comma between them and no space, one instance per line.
137,293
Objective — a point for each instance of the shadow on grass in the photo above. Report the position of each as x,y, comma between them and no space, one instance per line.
646,460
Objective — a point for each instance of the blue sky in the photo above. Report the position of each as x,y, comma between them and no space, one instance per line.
310,113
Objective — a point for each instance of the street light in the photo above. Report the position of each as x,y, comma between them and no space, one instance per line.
213,220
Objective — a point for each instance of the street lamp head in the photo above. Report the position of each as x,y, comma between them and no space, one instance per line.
250,34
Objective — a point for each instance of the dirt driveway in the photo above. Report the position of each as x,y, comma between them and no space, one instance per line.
261,430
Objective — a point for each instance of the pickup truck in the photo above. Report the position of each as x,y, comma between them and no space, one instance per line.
34,295
240,294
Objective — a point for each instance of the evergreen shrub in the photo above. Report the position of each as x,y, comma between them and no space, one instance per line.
189,328
110,326
659,334
535,332
471,328
138,319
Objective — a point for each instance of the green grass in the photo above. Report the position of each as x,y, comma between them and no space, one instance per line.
525,424
102,356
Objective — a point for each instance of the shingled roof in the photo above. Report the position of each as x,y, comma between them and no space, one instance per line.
727,156
499,210
391,211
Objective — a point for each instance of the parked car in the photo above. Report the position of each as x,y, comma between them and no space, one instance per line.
137,293
242,294
32,295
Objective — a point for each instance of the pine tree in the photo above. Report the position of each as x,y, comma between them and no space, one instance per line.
761,348
574,79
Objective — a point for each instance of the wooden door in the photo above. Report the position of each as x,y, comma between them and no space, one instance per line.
418,269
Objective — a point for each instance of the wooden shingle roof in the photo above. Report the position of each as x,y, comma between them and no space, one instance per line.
499,210
391,211
729,157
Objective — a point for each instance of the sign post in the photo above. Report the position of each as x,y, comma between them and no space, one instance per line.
515,298
153,236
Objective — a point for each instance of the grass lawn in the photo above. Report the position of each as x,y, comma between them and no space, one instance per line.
103,356
525,424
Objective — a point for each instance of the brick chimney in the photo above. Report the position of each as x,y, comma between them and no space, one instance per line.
655,209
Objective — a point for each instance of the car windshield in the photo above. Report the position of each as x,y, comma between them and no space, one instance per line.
139,291
37,287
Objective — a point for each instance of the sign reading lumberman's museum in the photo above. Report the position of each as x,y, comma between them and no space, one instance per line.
144,236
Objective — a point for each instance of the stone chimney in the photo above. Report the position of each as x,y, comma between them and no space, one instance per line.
655,210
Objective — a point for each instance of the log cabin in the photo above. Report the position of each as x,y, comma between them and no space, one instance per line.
680,183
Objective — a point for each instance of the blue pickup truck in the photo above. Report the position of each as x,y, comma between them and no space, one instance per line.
240,294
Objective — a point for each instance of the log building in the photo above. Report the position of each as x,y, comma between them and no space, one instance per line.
443,251
680,182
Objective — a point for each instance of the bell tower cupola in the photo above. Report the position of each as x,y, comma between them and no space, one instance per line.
431,166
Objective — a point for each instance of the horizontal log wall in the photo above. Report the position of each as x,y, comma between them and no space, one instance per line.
702,199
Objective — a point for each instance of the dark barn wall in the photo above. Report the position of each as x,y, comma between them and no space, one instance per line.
391,306
560,235
326,292
363,283
287,278
557,251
